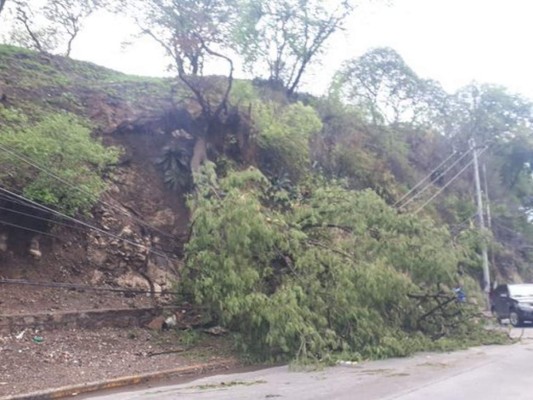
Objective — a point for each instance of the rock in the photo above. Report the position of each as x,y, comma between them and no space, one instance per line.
171,322
126,232
216,330
160,274
97,277
36,253
134,281
157,288
34,250
97,256
165,217
156,324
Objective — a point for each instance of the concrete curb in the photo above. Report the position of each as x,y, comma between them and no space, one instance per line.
73,390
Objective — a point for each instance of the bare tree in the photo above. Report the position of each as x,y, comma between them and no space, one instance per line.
51,27
69,16
27,33
287,35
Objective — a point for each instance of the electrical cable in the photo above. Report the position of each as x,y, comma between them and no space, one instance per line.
34,164
423,180
449,182
52,221
417,194
27,229
41,218
20,199
87,225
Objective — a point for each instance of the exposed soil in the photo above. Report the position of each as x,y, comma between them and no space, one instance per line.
15,299
124,252
75,357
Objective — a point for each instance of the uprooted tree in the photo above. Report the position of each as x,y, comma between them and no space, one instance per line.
193,33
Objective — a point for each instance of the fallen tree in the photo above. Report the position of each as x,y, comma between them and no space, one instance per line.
327,273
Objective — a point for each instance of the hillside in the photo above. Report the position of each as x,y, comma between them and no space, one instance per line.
37,85
298,205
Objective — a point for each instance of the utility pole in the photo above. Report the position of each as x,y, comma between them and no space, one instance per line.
486,190
481,222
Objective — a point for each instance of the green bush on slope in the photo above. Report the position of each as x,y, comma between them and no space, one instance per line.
62,144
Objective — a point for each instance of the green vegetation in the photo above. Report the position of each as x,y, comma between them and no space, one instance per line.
339,273
60,143
284,134
307,256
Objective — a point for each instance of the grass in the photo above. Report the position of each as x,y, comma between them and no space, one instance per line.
53,82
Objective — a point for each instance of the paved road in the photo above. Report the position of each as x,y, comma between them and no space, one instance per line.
490,372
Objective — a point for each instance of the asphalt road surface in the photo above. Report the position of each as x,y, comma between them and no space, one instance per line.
490,372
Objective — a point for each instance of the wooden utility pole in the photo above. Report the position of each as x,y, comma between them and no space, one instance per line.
481,222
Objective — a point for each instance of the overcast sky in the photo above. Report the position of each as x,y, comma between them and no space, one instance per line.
452,41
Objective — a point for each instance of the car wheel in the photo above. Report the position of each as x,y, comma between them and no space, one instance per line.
514,319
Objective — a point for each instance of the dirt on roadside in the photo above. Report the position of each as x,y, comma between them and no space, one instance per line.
37,360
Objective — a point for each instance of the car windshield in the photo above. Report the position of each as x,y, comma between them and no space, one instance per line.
521,290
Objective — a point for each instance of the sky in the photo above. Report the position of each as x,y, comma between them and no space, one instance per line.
452,41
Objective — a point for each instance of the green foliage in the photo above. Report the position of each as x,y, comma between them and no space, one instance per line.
387,91
284,134
175,162
366,157
63,82
284,37
332,275
62,144
243,93
487,112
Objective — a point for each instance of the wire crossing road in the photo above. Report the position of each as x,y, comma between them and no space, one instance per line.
490,372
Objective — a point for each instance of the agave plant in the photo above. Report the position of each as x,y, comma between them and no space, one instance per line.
174,162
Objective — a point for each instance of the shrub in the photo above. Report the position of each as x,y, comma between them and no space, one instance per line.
284,133
62,144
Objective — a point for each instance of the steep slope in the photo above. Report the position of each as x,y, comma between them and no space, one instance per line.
139,223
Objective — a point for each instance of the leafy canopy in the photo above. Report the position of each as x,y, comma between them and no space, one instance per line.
284,37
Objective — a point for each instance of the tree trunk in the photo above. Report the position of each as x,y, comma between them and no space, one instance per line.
199,154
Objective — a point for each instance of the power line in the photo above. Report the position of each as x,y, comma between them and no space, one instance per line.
448,183
52,221
31,204
28,229
428,185
89,226
423,180
84,191
40,218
